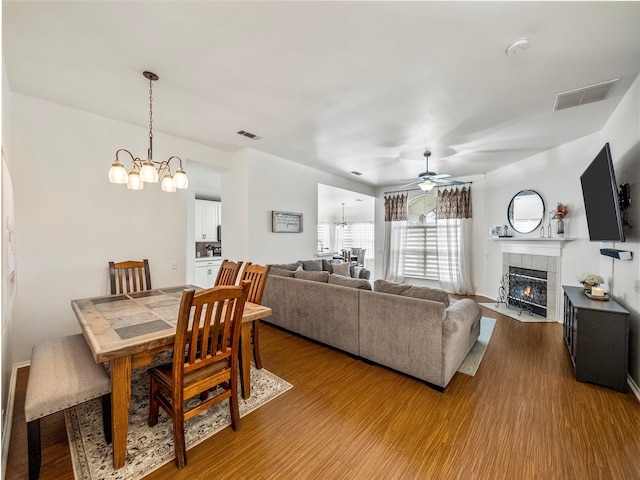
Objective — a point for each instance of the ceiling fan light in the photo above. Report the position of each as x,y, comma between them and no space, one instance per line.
426,186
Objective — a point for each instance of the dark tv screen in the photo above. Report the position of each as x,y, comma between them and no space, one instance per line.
600,193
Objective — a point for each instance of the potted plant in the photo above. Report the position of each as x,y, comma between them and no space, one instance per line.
589,280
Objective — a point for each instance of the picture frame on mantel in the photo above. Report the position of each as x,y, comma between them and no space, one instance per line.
498,231
286,222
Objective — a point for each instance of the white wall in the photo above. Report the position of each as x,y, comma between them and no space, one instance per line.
261,183
7,311
70,221
555,174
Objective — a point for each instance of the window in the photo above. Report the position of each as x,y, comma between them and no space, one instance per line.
358,235
421,253
324,237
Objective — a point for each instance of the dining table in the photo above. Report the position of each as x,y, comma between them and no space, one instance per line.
128,330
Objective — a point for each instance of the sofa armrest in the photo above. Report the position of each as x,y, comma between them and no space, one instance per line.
460,315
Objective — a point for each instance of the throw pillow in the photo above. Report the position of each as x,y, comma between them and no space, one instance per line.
390,287
287,266
427,293
326,266
313,276
349,282
341,269
312,265
281,272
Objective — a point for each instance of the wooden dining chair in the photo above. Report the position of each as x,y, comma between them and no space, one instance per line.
257,275
205,356
228,273
130,276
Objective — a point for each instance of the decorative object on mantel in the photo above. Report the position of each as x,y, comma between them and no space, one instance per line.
560,212
590,280
549,227
149,170
500,231
526,212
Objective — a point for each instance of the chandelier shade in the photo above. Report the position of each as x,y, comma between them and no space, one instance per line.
149,170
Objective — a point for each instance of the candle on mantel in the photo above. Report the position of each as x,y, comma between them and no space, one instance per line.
597,292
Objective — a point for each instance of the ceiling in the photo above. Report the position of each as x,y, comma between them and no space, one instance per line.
339,86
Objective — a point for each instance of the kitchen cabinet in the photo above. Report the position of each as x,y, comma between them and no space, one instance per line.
207,272
597,335
207,218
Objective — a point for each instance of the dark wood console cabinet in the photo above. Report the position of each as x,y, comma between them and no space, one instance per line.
597,335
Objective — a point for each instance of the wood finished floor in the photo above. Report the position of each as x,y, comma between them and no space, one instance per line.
522,416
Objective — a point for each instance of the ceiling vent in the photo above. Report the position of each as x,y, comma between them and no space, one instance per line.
584,95
250,135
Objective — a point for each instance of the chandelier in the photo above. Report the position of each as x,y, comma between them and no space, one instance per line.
149,170
342,224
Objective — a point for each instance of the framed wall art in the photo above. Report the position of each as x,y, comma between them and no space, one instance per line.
286,222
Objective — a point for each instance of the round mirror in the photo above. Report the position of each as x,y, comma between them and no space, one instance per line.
526,211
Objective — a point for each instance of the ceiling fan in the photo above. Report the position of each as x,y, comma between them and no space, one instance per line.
427,179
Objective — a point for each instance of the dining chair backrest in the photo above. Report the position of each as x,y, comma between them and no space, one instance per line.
228,273
129,276
205,360
257,275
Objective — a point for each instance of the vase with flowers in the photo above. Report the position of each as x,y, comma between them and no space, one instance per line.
590,280
560,212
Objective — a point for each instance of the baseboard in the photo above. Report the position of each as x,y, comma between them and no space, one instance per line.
634,387
8,419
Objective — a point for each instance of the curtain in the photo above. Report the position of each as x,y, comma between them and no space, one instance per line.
453,229
395,236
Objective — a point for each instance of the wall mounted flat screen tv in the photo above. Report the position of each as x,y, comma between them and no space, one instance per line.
600,193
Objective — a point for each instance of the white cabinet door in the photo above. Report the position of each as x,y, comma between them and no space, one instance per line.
207,219
202,277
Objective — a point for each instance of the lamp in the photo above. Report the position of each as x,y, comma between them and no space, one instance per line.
342,224
427,185
149,170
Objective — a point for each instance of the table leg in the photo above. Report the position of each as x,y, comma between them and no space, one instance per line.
120,401
245,360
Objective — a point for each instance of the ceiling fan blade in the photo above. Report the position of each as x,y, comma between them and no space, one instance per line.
409,184
441,181
440,175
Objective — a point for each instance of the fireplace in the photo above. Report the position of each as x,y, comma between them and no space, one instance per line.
528,290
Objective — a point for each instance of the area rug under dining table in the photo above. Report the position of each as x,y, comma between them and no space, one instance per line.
148,448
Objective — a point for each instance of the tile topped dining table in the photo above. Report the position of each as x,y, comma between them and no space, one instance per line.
129,330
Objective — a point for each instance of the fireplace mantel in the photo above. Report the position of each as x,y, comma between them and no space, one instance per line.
551,247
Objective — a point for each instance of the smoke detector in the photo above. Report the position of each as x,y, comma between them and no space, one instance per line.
518,47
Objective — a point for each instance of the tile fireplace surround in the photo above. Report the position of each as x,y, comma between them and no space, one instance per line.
543,254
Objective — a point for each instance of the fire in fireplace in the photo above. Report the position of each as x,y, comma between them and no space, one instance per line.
528,290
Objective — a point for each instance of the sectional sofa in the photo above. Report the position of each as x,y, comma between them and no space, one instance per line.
415,330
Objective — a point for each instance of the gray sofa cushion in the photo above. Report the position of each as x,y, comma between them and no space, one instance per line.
426,293
341,269
281,272
312,265
390,287
313,276
287,266
349,282
327,266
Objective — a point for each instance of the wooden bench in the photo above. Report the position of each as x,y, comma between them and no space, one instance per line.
62,374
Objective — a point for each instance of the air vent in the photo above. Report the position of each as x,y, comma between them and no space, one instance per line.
584,95
354,172
250,135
